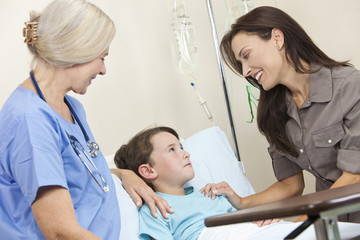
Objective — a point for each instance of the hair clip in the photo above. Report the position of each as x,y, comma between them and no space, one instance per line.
30,32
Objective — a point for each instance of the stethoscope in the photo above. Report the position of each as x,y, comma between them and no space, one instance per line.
93,147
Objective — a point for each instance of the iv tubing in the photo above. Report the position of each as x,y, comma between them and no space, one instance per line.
222,74
203,103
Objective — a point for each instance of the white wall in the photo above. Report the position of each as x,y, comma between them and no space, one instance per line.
141,87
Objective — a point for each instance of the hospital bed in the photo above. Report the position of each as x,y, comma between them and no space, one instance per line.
322,209
214,161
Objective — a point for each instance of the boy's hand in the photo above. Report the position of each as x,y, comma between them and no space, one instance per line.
222,188
138,190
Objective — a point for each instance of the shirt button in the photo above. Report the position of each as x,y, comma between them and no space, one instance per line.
310,168
329,141
301,150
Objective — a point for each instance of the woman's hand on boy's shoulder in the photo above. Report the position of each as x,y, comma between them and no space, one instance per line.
222,188
139,191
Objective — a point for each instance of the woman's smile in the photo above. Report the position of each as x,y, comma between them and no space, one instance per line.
258,76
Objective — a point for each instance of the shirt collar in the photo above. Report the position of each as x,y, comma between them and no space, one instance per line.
320,84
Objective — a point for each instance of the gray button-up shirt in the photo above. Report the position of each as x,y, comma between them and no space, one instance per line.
326,128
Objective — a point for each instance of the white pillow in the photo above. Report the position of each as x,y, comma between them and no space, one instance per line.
128,213
213,161
110,161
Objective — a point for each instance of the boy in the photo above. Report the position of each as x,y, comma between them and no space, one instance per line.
157,156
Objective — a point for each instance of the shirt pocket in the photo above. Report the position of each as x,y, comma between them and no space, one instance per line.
328,136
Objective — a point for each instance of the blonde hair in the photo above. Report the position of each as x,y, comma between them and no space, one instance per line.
71,32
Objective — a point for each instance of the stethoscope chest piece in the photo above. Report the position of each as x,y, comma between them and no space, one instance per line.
106,188
93,148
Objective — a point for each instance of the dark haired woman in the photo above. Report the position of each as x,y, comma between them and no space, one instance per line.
309,106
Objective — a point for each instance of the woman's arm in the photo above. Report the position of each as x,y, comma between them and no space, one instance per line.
223,188
346,179
54,213
138,190
289,187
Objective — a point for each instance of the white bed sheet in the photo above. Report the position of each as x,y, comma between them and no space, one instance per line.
277,231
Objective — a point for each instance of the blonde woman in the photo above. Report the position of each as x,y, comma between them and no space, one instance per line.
49,185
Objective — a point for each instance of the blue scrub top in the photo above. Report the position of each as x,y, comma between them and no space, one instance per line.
35,152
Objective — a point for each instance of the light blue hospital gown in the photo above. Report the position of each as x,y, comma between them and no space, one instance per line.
187,221
35,152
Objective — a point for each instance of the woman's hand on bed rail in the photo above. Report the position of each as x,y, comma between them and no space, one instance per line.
222,188
139,191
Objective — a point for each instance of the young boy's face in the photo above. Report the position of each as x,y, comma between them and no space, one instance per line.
170,161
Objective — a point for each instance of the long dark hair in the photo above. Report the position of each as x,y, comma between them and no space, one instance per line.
272,109
138,150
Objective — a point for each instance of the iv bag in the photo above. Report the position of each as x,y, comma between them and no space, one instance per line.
184,47
235,9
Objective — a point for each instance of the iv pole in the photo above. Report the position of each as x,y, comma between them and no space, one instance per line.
222,74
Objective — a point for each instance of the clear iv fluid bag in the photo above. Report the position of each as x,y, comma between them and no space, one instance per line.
184,47
235,9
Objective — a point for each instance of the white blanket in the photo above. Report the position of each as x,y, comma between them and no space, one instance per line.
277,231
